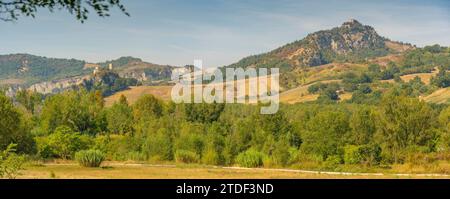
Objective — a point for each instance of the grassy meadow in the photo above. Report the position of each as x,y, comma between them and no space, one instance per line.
123,170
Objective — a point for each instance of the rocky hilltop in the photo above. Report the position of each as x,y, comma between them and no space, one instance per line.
352,41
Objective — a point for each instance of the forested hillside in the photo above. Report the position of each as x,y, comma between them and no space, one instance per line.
25,69
33,69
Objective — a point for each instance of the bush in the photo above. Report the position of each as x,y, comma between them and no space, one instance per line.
90,158
10,162
364,88
280,154
183,156
250,158
158,146
117,147
314,88
269,162
366,154
352,155
442,79
332,162
45,150
211,157
63,143
189,141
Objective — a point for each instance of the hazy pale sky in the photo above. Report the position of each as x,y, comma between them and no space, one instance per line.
219,32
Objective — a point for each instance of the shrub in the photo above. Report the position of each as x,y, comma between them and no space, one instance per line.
332,162
10,162
352,155
183,156
269,162
250,158
280,154
442,79
100,142
191,142
364,88
211,157
136,156
117,147
294,155
45,150
158,146
368,154
90,158
314,88
63,143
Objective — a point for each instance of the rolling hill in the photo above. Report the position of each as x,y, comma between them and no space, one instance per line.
341,55
26,69
352,42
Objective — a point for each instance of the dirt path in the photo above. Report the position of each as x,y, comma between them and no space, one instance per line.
344,173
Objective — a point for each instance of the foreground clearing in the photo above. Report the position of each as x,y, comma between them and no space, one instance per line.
146,171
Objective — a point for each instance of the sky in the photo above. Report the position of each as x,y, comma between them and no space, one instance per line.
219,32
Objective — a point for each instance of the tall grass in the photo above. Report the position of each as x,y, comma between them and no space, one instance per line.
250,158
90,158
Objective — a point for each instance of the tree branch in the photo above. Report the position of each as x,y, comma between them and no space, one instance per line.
11,10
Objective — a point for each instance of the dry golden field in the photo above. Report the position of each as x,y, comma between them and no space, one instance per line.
133,94
147,171
164,92
440,96
301,94
296,95
425,77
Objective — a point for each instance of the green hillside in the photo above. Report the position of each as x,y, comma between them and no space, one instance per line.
32,69
28,69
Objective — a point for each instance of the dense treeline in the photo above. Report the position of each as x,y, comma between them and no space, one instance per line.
393,130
